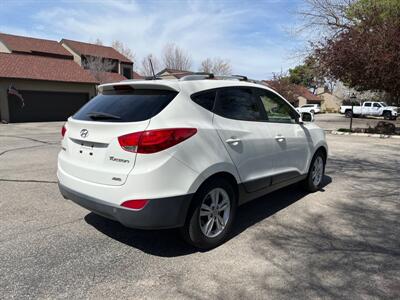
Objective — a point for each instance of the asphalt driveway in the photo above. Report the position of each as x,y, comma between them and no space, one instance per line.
341,242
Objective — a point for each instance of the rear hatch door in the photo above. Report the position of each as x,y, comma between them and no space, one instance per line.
91,148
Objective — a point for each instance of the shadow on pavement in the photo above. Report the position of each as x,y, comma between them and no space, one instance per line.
167,243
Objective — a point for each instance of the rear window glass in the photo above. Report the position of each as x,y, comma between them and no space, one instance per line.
125,106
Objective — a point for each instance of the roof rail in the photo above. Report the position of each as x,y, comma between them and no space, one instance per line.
197,76
203,75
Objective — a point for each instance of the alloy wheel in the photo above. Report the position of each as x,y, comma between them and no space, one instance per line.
317,171
214,212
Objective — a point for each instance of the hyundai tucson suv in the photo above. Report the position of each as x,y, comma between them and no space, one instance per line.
186,154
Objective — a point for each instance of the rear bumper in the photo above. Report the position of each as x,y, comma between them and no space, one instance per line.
158,213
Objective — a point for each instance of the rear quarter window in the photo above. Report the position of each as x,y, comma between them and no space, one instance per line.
205,99
125,106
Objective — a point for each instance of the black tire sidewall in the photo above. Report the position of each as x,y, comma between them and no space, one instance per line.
192,231
309,184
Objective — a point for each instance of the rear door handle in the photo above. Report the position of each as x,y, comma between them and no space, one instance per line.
280,138
233,141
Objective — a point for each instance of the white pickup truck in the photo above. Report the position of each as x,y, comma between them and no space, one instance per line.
377,109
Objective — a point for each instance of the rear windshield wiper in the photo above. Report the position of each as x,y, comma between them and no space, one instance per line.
102,116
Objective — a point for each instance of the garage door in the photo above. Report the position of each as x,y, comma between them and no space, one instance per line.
44,106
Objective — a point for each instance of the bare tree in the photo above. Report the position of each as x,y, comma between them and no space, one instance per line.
97,66
206,65
326,16
217,66
98,42
176,58
123,49
146,68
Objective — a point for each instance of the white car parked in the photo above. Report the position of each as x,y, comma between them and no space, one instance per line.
164,154
310,108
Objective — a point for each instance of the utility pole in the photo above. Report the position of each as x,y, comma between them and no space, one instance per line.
352,99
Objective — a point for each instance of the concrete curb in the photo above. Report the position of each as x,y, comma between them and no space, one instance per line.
374,135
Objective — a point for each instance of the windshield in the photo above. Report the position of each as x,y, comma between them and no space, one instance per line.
383,104
125,106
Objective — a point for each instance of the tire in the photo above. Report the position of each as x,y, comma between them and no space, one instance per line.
348,113
195,229
387,115
312,183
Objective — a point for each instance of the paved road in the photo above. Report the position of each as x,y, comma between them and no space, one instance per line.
336,121
341,242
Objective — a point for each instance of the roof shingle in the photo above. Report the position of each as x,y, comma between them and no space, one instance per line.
174,72
95,50
32,45
42,68
108,77
304,92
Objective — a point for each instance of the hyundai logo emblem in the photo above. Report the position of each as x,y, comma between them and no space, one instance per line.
84,133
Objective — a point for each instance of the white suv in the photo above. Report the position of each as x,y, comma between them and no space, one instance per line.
164,154
310,108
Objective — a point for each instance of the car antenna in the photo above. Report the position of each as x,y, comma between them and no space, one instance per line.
152,69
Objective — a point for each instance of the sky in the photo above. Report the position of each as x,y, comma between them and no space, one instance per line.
255,36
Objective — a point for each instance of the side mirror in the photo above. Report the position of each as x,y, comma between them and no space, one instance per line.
307,117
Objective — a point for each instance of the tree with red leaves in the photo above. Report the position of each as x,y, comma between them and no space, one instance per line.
365,54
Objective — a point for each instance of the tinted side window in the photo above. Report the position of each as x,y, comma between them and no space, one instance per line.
205,99
367,104
238,103
125,106
276,109
377,105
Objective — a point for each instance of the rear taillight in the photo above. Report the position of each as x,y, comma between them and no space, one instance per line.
63,130
135,204
151,141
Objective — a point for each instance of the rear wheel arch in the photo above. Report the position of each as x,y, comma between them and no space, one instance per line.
223,175
230,178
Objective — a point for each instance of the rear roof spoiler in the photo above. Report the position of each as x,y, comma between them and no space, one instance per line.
141,84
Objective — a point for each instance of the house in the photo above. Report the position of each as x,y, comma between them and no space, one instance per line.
45,80
297,95
331,102
39,80
304,96
173,73
118,67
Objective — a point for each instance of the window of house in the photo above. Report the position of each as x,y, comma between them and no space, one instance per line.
127,72
276,109
238,103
